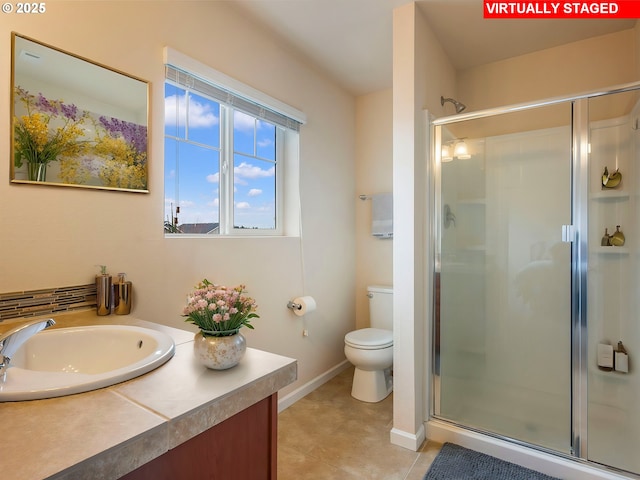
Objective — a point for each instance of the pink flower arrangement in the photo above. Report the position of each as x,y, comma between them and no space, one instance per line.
218,310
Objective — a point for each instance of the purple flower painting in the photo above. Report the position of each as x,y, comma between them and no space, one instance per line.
81,148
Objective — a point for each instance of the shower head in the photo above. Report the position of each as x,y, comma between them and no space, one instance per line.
459,106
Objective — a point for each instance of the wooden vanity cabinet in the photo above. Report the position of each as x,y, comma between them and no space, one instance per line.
243,447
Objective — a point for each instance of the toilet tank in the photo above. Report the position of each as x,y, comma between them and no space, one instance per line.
380,306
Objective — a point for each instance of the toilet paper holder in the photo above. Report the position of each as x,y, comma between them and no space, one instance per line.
293,305
300,306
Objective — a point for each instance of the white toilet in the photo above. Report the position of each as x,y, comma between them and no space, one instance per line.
370,350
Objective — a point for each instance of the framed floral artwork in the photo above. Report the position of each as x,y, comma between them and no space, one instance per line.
75,122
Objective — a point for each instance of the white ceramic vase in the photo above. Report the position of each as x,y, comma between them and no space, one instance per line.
219,353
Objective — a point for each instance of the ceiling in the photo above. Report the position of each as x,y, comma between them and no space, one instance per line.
351,40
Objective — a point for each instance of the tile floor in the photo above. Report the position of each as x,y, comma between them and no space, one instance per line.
329,435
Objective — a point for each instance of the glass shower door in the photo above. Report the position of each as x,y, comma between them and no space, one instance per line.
503,275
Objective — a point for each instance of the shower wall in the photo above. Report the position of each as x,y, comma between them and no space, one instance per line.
613,300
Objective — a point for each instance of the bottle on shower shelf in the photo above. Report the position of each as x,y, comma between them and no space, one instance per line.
621,359
611,180
617,239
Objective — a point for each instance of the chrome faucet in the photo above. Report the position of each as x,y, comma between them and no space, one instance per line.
11,341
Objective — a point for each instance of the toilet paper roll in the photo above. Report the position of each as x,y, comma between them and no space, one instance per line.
307,304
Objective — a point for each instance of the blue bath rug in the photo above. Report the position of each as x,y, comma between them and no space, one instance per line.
458,463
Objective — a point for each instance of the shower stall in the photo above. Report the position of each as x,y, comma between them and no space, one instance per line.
536,318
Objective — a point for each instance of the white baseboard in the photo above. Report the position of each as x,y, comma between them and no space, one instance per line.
288,400
411,441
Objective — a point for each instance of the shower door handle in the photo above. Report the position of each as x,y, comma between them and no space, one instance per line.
568,233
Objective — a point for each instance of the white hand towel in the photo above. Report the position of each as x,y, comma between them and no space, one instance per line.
382,215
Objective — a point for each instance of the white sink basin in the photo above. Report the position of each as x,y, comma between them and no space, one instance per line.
64,361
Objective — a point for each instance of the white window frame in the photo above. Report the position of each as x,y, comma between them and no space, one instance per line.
286,158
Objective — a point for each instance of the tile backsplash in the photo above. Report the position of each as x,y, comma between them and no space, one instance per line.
34,303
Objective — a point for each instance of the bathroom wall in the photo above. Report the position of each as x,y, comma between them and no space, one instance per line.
374,164
56,236
597,62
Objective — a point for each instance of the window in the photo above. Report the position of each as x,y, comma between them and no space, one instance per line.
226,158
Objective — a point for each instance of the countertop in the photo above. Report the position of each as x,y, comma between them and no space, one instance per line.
106,433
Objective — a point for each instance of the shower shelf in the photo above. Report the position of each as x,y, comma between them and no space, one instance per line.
611,250
608,375
610,195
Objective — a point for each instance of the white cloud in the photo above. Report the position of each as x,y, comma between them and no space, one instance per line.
243,205
254,192
246,170
265,142
213,178
200,115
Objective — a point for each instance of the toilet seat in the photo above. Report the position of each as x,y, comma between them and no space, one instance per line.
369,339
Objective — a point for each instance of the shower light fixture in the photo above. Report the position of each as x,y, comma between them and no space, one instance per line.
461,151
459,106
456,148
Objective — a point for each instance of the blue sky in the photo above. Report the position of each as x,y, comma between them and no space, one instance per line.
193,183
